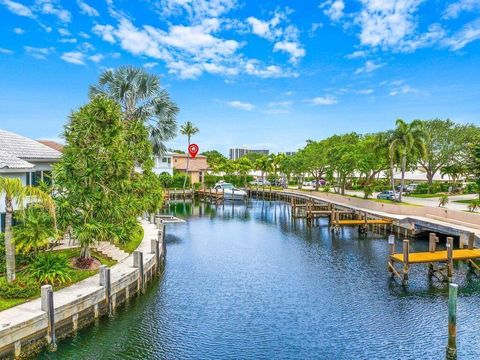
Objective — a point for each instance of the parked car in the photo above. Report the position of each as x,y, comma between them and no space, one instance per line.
407,189
260,182
387,195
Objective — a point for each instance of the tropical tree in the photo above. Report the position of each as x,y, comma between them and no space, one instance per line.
214,159
18,194
244,166
264,165
95,180
189,130
141,98
315,160
474,162
444,145
35,230
408,140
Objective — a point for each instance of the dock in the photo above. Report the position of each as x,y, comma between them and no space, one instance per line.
433,258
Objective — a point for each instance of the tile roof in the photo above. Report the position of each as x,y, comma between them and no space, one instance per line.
24,148
12,162
52,144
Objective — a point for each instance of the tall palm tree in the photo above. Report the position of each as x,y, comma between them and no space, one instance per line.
408,140
188,129
141,98
264,164
16,192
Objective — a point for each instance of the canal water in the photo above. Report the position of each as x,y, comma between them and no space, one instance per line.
245,282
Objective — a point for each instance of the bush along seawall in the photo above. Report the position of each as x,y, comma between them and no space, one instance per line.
27,329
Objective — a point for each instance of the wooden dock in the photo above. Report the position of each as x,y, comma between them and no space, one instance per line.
432,257
210,195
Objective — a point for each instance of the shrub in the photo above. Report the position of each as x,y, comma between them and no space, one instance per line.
474,205
443,201
20,288
84,263
50,268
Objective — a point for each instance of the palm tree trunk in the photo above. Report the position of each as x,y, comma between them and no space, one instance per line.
188,158
9,242
85,252
404,165
392,179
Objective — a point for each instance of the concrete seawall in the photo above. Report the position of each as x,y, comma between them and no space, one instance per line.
25,330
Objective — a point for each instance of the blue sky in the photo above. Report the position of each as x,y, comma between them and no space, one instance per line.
247,73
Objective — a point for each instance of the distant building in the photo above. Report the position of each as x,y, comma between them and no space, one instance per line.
25,159
163,164
290,153
197,167
237,153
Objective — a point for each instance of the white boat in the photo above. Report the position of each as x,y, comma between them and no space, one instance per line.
230,192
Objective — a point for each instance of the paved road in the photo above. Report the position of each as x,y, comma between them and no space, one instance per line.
423,201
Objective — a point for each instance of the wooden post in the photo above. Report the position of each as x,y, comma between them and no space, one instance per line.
138,263
449,258
48,306
106,282
452,321
391,244
471,241
406,252
432,245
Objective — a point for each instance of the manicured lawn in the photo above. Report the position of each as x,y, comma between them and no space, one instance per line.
426,196
76,275
134,242
466,201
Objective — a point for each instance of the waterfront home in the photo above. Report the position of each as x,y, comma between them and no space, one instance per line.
26,159
197,167
163,164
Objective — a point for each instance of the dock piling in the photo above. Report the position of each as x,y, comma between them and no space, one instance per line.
452,322
449,258
406,253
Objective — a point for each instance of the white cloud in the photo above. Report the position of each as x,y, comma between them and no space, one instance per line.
105,32
73,57
241,105
470,32
365,91
87,9
48,7
84,35
357,54
64,32
369,67
404,89
68,40
454,9
5,51
17,8
333,9
293,48
278,107
150,65
18,31
254,67
38,53
198,9
386,24
96,58
324,100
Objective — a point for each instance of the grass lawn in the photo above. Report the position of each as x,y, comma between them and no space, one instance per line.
76,275
134,242
466,201
426,196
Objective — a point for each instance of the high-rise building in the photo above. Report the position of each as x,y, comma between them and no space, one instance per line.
237,153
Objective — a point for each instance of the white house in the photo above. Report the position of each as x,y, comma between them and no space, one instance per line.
163,164
26,159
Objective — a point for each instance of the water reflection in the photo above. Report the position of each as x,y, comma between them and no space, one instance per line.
245,281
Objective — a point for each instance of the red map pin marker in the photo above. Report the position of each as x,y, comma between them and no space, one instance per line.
193,150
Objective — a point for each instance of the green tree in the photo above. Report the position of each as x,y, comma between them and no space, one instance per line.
444,145
342,157
188,129
315,160
408,140
35,230
474,163
264,165
16,192
141,98
244,166
214,159
95,179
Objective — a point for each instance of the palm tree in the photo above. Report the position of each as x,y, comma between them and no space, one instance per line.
141,98
408,140
34,231
244,166
264,164
16,192
188,129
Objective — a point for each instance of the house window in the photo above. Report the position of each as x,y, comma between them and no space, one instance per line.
36,178
2,222
200,176
164,160
28,179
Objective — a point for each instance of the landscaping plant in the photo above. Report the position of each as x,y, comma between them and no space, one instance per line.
50,268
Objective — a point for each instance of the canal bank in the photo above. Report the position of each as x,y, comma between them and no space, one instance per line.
246,281
28,328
